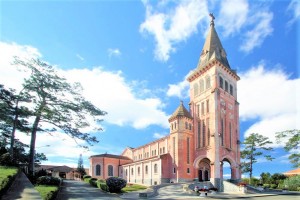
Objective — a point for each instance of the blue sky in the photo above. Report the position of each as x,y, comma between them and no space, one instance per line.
132,58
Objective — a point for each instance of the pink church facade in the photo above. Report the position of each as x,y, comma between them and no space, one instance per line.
201,138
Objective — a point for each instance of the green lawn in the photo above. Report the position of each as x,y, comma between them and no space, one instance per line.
45,190
6,173
133,187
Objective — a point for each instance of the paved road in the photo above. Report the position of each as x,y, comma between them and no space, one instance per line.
78,190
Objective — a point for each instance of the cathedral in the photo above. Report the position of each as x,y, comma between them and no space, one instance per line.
201,138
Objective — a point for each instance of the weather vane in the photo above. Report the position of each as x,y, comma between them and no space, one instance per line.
212,18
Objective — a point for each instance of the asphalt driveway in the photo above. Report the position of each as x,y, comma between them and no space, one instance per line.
78,190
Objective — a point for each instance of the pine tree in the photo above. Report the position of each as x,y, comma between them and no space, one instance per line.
80,168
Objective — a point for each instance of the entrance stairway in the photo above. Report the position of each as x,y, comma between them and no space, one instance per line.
204,184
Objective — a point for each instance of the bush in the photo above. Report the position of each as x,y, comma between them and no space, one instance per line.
47,192
6,160
102,181
86,176
7,176
40,173
48,180
87,180
115,184
292,183
93,182
103,186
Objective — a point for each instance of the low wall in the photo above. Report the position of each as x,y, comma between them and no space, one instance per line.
232,188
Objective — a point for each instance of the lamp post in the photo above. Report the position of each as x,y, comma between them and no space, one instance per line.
33,163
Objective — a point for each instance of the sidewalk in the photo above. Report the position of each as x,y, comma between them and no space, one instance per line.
175,191
22,189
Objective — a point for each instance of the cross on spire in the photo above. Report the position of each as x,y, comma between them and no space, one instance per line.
212,18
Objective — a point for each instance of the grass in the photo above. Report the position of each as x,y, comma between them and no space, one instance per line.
6,177
133,187
7,171
46,190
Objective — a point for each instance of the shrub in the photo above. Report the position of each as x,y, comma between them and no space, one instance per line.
93,182
87,180
115,184
41,172
48,180
6,160
102,181
7,176
86,176
292,183
103,186
47,192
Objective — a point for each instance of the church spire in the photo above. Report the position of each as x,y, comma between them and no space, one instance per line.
212,48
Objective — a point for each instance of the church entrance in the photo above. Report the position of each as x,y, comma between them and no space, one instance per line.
200,175
204,170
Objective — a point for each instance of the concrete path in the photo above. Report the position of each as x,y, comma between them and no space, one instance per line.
79,190
175,191
22,189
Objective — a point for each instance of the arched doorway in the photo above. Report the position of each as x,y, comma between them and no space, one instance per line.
204,170
226,171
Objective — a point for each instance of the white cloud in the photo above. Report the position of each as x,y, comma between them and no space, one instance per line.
271,98
294,7
180,90
172,27
233,15
159,135
114,52
262,29
107,90
110,92
9,74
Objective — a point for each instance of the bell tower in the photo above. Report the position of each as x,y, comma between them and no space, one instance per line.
215,111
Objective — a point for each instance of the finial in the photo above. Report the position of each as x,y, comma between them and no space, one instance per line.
212,18
181,102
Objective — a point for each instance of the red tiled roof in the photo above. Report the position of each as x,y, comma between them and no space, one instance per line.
292,172
111,156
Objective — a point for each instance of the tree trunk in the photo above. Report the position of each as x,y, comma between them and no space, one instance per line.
32,144
12,137
33,137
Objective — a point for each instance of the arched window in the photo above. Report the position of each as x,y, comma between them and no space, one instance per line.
201,85
146,169
196,89
207,80
110,170
98,170
155,168
221,82
126,172
131,171
226,86
139,171
231,89
186,125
